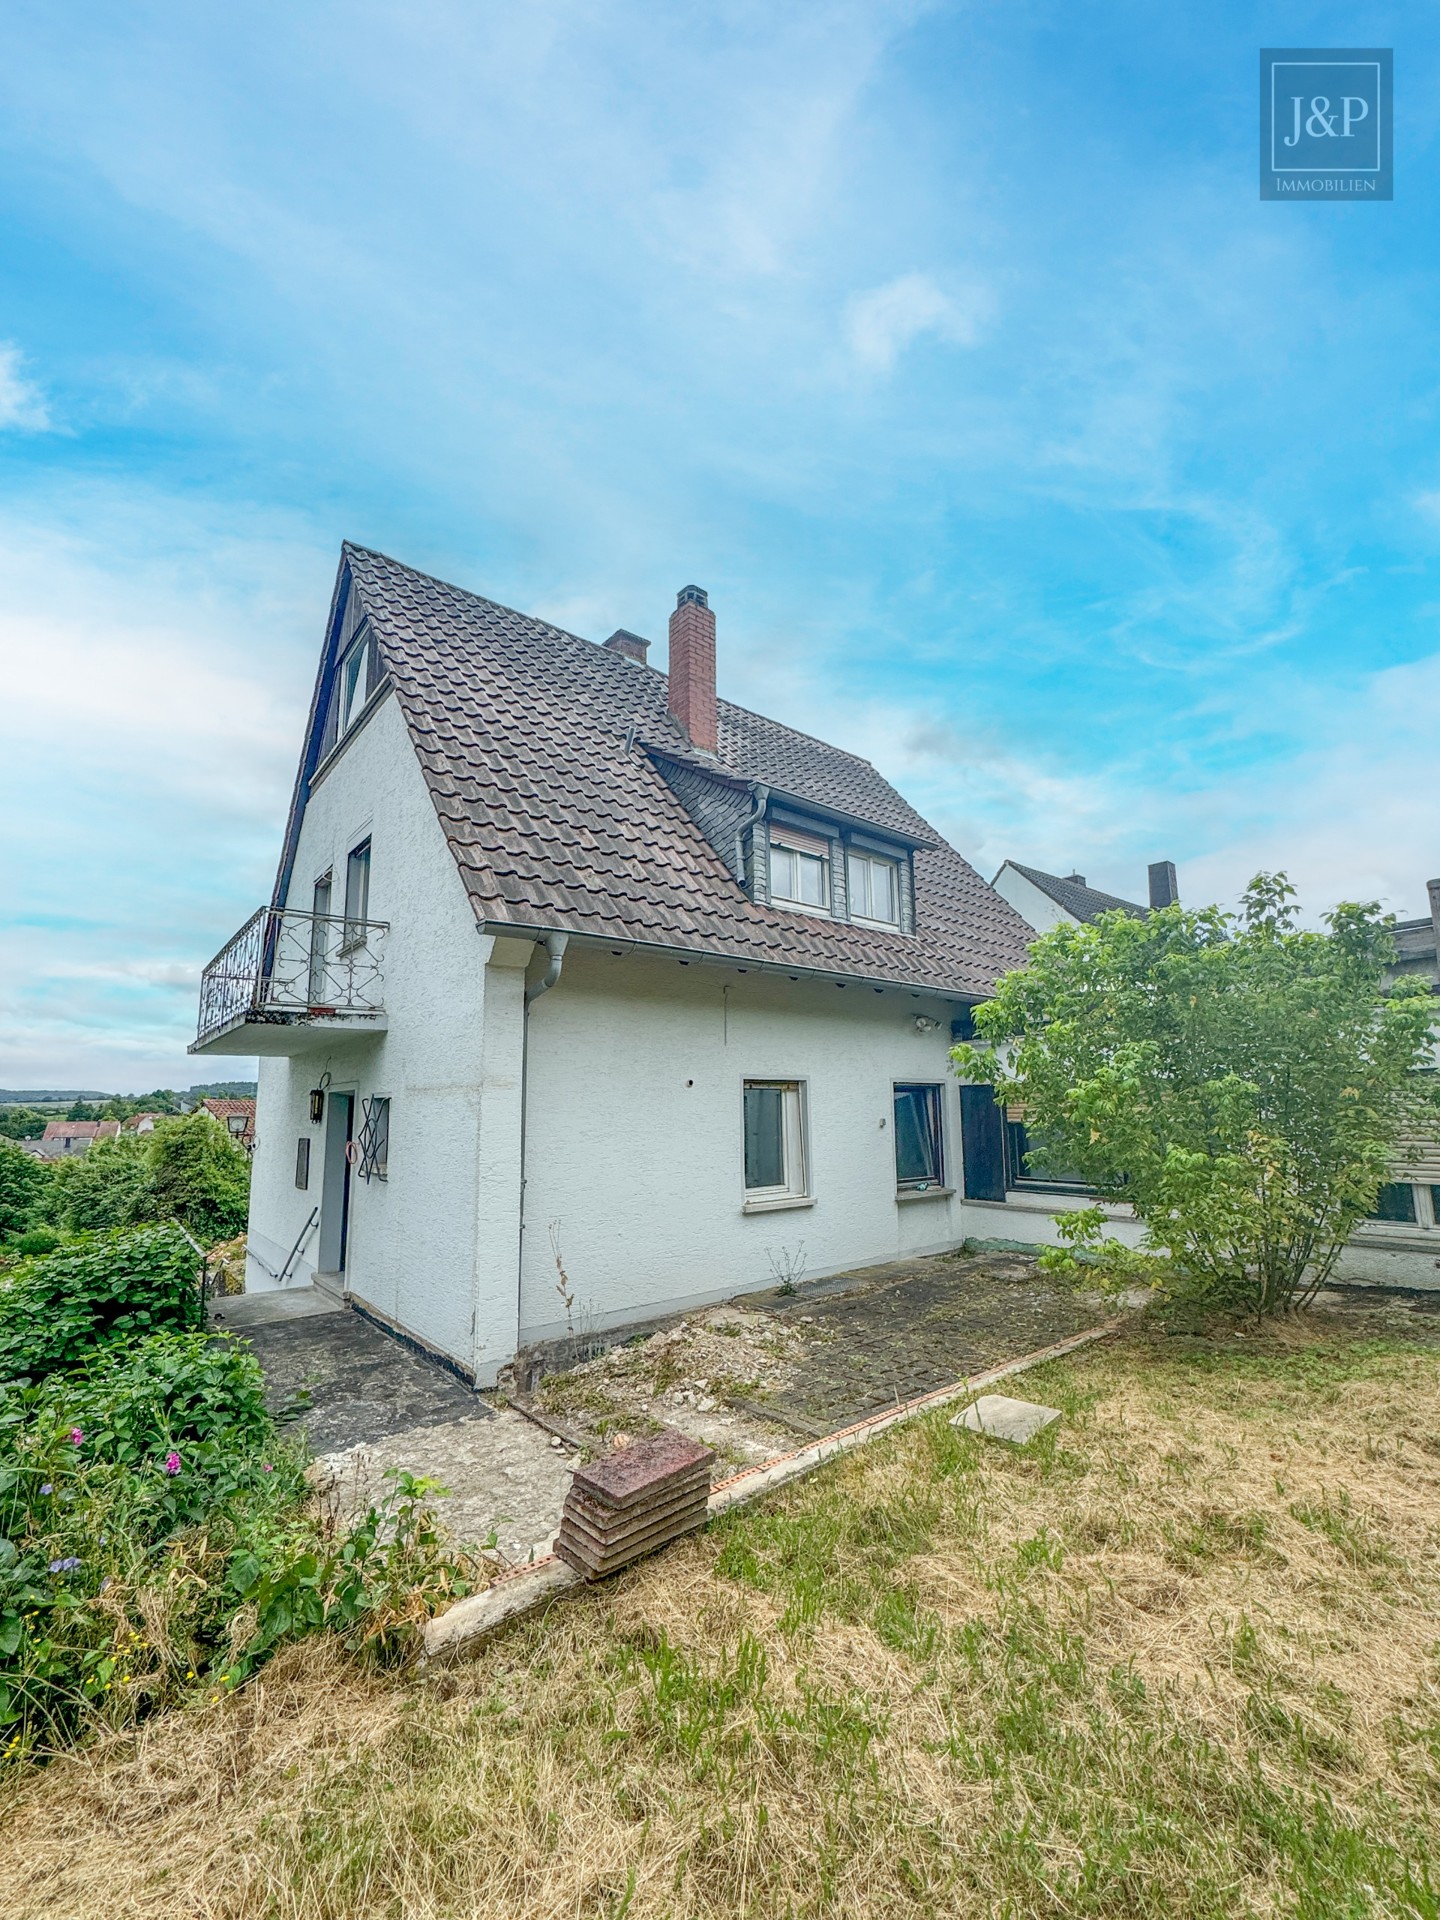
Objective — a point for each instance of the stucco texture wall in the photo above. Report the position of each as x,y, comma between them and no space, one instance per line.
412,1242
635,1150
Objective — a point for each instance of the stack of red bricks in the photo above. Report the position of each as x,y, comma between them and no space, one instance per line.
633,1501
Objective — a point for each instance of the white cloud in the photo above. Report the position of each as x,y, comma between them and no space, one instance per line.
22,404
881,324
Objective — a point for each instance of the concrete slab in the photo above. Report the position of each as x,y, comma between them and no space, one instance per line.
237,1311
1000,1418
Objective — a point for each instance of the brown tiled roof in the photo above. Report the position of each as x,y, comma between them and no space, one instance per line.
1078,900
71,1129
533,743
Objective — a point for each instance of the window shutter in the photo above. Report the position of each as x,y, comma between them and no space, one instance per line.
982,1141
1427,1167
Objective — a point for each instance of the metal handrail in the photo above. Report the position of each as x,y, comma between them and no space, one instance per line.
284,963
301,1238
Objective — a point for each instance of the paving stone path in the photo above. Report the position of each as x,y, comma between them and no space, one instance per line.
884,1334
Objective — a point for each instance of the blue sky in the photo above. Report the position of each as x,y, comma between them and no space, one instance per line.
1019,445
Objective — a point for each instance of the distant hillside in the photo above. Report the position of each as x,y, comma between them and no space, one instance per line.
46,1096
223,1090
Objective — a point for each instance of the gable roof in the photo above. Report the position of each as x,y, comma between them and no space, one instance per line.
537,748
70,1130
1078,900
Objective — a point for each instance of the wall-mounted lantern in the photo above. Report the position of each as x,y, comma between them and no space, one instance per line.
317,1100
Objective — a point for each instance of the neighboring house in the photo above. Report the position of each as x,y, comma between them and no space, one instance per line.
67,1136
1045,900
236,1116
585,995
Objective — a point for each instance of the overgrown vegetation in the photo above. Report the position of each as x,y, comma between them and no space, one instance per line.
187,1169
156,1533
1174,1661
1246,1086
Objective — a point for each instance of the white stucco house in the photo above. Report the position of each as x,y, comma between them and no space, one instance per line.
585,995
1045,900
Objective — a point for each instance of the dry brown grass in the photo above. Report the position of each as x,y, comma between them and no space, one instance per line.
1177,1658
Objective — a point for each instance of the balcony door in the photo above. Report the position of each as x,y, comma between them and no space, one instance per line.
319,936
335,1184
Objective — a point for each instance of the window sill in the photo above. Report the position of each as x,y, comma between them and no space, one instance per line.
906,1196
779,1204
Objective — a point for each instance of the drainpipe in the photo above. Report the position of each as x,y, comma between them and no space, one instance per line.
761,796
555,945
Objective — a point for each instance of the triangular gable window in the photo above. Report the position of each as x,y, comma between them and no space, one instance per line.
356,678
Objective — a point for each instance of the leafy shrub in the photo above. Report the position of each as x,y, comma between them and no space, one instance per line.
113,1286
109,1186
154,1529
199,1177
37,1240
23,1184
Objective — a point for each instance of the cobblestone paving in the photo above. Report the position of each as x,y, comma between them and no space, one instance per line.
888,1333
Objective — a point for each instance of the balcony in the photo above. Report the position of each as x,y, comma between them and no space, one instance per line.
288,982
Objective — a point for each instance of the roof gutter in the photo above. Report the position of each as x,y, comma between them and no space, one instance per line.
760,794
691,956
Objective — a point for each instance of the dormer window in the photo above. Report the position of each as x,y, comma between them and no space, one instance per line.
873,884
356,678
799,870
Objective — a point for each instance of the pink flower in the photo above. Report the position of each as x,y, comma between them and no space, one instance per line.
76,1436
172,1462
267,1468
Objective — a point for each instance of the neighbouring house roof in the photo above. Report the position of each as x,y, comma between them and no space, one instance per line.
1416,948
71,1129
538,748
1078,900
225,1110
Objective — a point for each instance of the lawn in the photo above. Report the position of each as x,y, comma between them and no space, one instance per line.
1177,1658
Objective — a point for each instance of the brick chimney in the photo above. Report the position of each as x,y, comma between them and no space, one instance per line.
629,644
1164,887
692,667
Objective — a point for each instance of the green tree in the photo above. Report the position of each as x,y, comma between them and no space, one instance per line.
23,1183
110,1186
1243,1084
22,1123
81,1110
199,1176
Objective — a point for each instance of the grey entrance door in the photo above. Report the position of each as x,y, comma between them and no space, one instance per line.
335,1185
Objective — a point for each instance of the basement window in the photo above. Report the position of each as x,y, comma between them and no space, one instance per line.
799,870
774,1140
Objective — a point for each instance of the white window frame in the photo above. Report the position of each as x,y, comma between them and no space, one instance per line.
794,1189
358,675
359,862
858,856
804,846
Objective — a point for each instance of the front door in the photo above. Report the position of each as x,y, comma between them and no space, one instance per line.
335,1184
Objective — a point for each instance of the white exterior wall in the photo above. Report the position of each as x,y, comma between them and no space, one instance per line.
635,1145
412,1244
1037,909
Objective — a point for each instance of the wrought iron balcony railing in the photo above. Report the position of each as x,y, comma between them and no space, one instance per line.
283,966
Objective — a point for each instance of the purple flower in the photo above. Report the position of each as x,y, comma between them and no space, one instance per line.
267,1468
77,1436
172,1462
46,1488
67,1565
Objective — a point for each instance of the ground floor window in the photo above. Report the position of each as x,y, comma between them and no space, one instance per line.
774,1139
1396,1201
374,1146
1028,1162
919,1138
